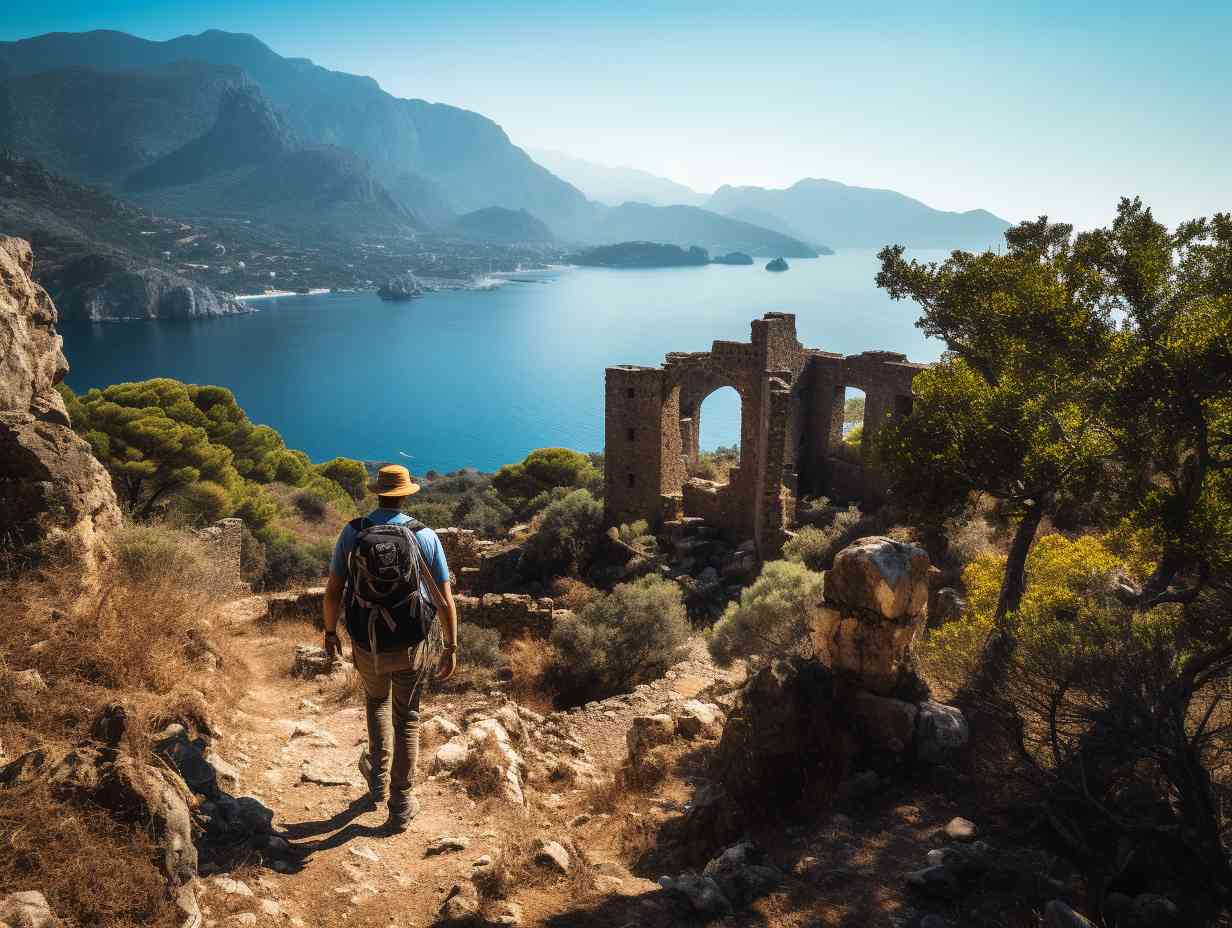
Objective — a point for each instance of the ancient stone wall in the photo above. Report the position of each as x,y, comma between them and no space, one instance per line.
791,418
512,614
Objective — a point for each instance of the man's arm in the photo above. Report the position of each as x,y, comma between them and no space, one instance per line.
449,613
333,603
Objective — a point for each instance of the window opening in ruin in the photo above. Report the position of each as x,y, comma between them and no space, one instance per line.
853,426
632,480
632,433
630,392
718,419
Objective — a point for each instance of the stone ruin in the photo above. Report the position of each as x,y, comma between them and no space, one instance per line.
225,539
791,423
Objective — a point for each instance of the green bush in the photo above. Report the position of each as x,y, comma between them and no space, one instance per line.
202,502
289,561
815,547
541,471
433,515
349,474
619,640
568,531
771,619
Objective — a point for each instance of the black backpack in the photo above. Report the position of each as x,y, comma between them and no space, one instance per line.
386,609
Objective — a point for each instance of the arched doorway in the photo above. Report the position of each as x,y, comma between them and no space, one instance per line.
717,421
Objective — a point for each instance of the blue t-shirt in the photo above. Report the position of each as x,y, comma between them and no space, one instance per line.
429,544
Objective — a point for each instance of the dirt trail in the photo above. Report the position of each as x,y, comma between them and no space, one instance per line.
342,869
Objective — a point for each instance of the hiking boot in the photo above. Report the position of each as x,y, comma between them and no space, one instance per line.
400,816
376,795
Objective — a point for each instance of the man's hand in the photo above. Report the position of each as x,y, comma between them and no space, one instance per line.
447,665
333,647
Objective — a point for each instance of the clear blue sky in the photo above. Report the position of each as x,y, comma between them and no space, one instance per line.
1018,108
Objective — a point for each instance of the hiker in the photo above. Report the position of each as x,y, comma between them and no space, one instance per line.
389,578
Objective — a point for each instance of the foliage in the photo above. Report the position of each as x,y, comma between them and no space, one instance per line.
815,546
855,436
771,619
349,474
433,515
568,531
618,640
715,465
853,409
202,502
479,646
542,471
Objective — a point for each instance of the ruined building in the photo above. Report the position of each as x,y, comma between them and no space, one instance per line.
791,423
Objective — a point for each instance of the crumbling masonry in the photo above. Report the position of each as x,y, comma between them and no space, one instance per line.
791,423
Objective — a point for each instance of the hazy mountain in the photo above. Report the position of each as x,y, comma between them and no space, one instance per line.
615,185
861,217
496,224
684,226
329,190
468,158
247,131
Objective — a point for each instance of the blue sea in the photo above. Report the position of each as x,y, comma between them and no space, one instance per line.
477,378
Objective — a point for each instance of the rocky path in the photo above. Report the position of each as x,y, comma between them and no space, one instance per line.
293,744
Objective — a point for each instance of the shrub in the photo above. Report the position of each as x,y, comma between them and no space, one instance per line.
815,547
289,561
202,502
771,619
351,475
434,515
479,646
968,538
531,661
638,534
621,639
541,471
568,531
312,506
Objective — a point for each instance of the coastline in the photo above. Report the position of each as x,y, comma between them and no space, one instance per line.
274,294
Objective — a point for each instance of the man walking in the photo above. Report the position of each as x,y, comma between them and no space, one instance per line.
388,576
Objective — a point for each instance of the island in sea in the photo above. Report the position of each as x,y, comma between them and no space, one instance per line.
778,264
653,254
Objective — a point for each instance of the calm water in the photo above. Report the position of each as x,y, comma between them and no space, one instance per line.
478,378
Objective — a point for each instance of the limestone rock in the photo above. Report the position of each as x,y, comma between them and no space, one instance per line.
27,910
311,661
701,892
743,873
461,903
649,731
451,755
445,844
876,599
697,719
880,574
128,789
51,487
551,855
941,732
784,743
960,829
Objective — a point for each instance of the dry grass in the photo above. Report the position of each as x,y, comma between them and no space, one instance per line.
93,871
530,660
572,594
142,636
483,770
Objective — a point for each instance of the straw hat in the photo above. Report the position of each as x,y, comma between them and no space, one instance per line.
393,480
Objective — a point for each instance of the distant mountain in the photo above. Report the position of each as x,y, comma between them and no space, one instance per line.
860,217
613,186
128,100
330,190
247,131
684,226
496,224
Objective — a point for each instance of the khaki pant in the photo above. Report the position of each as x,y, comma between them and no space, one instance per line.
392,701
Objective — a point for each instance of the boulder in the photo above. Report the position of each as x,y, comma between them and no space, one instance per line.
649,731
876,600
52,489
701,893
697,719
311,661
743,873
784,743
551,855
27,910
960,829
131,791
451,755
940,732
887,723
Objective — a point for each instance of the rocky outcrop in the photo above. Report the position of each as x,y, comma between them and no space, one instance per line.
402,287
27,910
876,599
108,287
778,264
52,489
